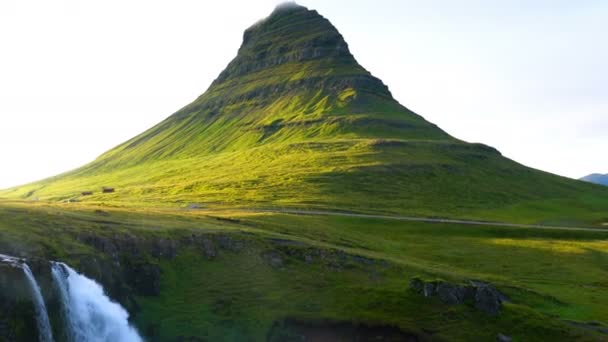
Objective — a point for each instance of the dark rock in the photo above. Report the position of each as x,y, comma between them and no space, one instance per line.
503,338
164,248
209,248
483,296
145,278
229,243
417,285
450,293
469,293
100,243
274,259
362,260
488,300
90,267
17,313
285,242
428,290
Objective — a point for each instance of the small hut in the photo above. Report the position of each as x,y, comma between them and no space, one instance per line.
107,190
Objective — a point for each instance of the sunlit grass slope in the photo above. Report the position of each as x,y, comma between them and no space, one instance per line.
552,277
295,121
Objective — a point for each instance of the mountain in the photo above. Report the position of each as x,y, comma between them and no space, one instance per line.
596,178
295,121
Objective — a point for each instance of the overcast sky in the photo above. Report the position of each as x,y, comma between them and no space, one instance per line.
529,77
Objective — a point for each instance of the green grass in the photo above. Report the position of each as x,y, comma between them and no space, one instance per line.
412,178
225,300
549,275
558,264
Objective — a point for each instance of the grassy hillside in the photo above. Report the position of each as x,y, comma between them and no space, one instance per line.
274,269
295,121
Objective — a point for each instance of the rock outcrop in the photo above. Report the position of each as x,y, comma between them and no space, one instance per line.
503,338
484,297
17,311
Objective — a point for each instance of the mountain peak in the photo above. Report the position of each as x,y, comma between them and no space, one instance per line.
596,178
290,34
288,6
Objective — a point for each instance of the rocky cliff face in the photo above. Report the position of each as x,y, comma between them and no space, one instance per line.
293,35
128,266
279,39
17,311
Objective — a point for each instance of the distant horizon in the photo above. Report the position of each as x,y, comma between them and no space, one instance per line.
527,79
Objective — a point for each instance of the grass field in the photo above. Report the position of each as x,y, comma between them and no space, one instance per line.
549,275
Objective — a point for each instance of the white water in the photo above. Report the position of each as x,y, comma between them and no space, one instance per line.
45,333
91,316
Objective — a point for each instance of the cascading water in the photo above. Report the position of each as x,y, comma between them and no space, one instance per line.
45,333
42,319
90,315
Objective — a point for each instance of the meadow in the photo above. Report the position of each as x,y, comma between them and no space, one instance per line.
553,277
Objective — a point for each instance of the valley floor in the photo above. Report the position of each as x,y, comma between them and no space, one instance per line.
236,274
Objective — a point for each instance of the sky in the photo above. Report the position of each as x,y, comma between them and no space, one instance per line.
529,78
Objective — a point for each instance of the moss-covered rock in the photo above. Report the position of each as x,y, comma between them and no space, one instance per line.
485,297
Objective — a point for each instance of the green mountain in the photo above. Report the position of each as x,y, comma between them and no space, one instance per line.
294,120
235,219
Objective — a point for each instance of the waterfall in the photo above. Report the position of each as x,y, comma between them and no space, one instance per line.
90,315
42,319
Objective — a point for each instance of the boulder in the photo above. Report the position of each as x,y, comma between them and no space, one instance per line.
503,338
485,297
450,293
209,248
273,258
417,285
488,300
428,290
469,293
